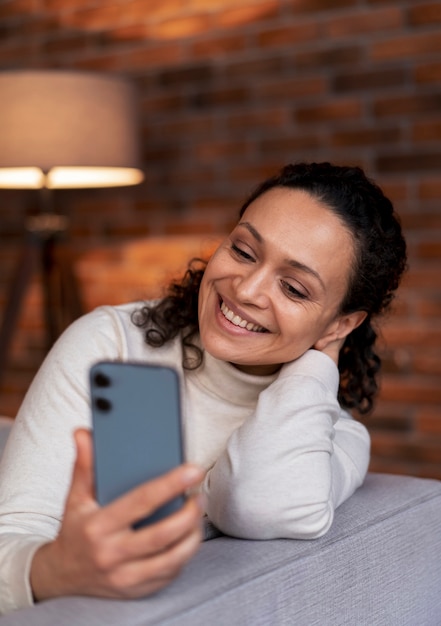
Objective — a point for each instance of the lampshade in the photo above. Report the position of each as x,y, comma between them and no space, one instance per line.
65,129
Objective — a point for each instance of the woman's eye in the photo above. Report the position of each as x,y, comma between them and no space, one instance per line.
241,252
292,291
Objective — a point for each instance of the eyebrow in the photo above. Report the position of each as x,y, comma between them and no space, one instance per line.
292,262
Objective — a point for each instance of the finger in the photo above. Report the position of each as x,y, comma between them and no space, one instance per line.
148,497
145,576
161,536
83,477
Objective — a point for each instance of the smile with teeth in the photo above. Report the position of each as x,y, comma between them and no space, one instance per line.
238,321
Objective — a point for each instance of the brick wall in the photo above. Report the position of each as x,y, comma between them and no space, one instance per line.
231,90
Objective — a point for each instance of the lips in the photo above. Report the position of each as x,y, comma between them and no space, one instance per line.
235,319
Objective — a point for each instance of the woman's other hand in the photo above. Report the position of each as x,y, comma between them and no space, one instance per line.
332,349
97,552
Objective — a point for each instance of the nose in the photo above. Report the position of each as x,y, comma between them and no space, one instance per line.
253,287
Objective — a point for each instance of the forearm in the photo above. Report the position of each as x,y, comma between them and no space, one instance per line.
281,474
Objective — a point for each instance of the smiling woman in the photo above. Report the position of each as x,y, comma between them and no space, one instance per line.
274,342
338,236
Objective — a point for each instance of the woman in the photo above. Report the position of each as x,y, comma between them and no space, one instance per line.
274,340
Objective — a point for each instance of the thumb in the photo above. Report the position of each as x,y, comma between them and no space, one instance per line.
83,474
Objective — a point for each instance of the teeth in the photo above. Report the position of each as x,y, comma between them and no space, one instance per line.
238,321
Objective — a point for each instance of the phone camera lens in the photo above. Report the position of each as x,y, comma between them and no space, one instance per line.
103,404
101,380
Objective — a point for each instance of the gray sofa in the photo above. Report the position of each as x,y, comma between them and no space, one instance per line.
379,565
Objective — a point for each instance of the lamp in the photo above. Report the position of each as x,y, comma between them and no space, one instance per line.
60,130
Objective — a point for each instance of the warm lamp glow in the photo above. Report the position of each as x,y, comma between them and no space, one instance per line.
21,178
71,177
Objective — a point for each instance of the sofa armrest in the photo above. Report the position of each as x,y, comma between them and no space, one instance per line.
379,564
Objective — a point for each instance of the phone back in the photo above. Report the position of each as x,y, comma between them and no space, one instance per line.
136,428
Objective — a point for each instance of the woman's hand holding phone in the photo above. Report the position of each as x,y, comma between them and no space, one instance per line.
98,552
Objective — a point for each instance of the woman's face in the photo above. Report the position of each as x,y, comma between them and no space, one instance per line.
273,288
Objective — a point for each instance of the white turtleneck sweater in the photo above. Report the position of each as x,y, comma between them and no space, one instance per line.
281,455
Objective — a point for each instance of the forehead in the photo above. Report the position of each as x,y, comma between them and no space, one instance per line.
296,225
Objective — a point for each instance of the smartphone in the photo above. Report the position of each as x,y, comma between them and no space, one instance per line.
137,433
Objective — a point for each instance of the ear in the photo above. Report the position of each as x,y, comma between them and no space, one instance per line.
340,328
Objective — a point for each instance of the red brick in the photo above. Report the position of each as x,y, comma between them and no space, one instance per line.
152,56
369,136
426,277
128,32
67,44
334,110
21,53
429,250
215,46
194,126
313,6
384,465
416,161
146,10
264,67
34,25
96,18
286,35
16,8
289,145
102,63
396,191
402,333
425,14
64,5
180,28
428,363
208,151
374,20
428,306
185,75
167,103
247,175
428,420
288,89
372,79
421,221
228,96
407,105
415,450
269,118
427,470
428,73
430,188
203,5
406,47
240,16
390,418
329,58
427,130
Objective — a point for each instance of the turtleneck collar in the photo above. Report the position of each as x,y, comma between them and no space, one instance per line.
225,381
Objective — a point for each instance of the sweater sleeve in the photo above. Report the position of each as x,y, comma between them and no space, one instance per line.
36,466
293,461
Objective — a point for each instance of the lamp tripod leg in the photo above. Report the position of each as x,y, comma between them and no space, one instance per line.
25,267
62,300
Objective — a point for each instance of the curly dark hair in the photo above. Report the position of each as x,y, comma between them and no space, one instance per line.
380,261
